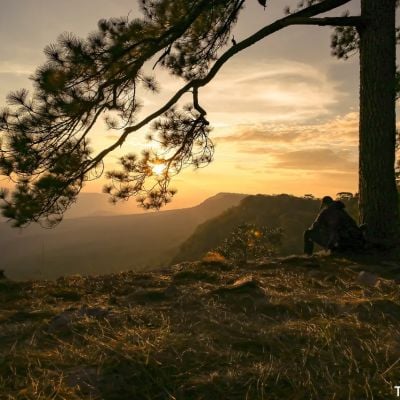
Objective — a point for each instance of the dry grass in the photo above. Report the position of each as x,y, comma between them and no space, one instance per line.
280,329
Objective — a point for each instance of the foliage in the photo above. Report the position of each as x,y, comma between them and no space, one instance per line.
249,241
345,42
44,144
344,196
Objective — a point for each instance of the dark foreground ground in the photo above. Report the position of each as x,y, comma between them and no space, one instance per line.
292,328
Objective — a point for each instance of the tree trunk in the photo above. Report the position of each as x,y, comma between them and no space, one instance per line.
377,184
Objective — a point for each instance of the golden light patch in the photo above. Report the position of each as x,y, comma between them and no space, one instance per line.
158,168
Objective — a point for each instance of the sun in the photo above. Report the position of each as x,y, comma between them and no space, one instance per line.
158,168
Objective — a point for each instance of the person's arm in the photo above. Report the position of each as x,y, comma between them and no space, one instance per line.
319,221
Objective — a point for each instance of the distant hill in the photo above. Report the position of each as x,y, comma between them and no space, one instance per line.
95,245
98,204
293,214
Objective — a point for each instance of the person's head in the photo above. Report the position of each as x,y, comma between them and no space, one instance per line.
326,201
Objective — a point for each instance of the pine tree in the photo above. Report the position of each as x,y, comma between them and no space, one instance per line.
44,144
375,39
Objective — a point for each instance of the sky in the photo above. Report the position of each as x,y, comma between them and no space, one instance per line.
284,112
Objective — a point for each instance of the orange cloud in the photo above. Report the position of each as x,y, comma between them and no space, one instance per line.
340,130
316,159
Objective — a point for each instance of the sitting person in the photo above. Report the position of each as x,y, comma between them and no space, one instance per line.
333,229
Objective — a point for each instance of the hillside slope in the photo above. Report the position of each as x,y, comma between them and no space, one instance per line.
289,328
104,244
98,204
292,214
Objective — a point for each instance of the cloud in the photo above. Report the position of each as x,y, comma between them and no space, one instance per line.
264,133
257,150
316,159
261,92
340,131
11,68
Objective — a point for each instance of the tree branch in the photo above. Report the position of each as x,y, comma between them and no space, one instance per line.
293,19
331,21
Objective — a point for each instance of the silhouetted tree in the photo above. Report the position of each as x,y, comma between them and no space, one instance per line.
45,146
344,196
375,38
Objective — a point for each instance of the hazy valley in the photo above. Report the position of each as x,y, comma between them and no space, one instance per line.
103,244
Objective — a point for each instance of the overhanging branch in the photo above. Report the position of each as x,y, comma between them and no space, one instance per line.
299,18
331,21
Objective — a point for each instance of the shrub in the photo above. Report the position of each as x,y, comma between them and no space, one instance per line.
249,241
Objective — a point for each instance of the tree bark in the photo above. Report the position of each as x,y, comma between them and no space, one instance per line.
377,184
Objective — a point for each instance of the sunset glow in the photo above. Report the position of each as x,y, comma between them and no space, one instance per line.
158,169
196,195
284,113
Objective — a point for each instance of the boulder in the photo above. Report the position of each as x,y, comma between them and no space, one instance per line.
366,278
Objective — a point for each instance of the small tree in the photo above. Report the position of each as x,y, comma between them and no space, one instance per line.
249,241
344,196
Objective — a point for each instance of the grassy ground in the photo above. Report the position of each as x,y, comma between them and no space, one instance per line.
291,328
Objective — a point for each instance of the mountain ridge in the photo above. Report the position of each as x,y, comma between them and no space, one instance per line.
290,213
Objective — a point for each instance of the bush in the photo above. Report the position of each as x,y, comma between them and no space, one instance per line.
249,241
